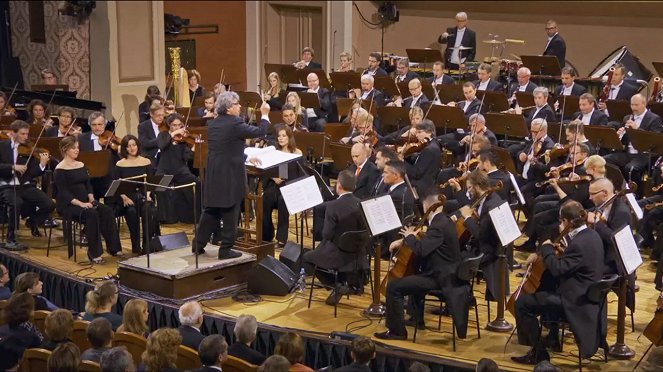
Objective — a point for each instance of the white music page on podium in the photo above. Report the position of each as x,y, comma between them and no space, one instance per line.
301,195
505,224
381,215
628,249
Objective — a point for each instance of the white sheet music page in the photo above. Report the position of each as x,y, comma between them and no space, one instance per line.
381,215
517,188
630,197
505,224
269,156
628,249
301,195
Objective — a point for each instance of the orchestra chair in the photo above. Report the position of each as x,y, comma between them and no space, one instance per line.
234,364
79,334
187,359
35,360
350,242
89,366
69,229
135,344
465,272
39,319
597,294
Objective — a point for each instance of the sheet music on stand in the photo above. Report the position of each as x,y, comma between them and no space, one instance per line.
630,198
301,195
505,224
517,188
627,249
380,214
269,156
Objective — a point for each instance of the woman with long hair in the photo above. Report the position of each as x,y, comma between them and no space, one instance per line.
135,317
99,303
161,351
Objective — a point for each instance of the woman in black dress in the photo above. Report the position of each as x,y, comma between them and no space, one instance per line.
131,166
195,89
76,200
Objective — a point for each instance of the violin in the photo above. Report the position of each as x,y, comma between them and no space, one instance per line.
555,152
186,138
108,139
28,148
651,206
654,330
468,166
565,167
412,148
566,181
461,230
657,188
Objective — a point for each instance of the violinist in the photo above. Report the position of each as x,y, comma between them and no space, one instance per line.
138,205
439,254
317,118
477,125
471,105
208,110
92,141
393,175
488,161
362,129
153,93
275,94
527,156
417,97
579,266
174,155
38,113
169,108
407,132
423,166
66,125
588,113
17,181
148,131
5,109
75,199
479,143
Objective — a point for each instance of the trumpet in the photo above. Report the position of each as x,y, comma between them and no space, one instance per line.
511,111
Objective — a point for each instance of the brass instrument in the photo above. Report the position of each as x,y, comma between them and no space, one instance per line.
656,90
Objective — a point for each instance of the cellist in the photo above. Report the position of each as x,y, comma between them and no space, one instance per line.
439,254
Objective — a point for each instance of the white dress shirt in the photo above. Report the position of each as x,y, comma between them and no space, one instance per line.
455,53
566,91
95,142
483,85
587,117
637,120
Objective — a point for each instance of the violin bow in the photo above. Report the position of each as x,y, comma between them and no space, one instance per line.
9,99
48,106
113,132
168,86
188,114
573,159
73,122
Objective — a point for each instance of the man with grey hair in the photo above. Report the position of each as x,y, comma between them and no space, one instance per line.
117,359
456,38
245,333
227,135
523,85
191,318
542,109
368,92
90,141
213,352
403,73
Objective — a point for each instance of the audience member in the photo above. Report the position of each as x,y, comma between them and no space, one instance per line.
135,317
57,326
100,334
100,301
161,351
363,350
18,333
213,352
487,365
117,359
191,318
245,333
29,282
291,346
275,363
545,366
65,358
5,292
418,367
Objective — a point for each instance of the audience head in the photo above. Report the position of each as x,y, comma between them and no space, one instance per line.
4,275
100,333
363,350
487,365
28,282
291,346
545,366
135,316
117,359
346,181
19,309
418,367
161,350
65,358
103,295
191,314
275,363
213,350
246,327
58,325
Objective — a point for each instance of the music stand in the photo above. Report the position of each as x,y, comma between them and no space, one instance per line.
542,65
343,106
570,105
603,137
315,144
507,125
393,117
404,87
554,131
494,101
97,162
341,155
450,92
302,75
656,108
345,80
287,73
618,109
504,159
647,142
447,117
309,100
424,56
525,99
370,105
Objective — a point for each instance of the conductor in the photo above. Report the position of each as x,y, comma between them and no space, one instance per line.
226,174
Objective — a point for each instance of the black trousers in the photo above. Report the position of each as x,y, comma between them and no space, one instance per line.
271,200
141,211
633,166
209,223
542,223
528,308
40,205
98,222
316,124
415,286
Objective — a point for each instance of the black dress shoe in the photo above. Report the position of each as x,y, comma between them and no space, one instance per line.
50,222
228,254
336,294
444,311
390,336
411,323
529,358
528,246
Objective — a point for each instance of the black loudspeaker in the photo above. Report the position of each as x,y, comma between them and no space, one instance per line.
169,242
271,277
291,256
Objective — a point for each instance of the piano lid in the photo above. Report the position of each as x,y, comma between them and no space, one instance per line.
60,99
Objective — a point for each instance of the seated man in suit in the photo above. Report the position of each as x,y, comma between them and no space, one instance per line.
149,130
416,98
208,110
91,141
458,141
620,89
422,167
471,105
485,82
191,317
368,92
245,330
374,68
307,60
588,113
569,87
363,351
403,73
213,353
365,171
342,215
456,37
383,155
401,194
524,84
317,118
439,77
542,109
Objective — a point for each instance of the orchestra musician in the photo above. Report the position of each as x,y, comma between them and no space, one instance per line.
651,225
207,111
439,77
588,113
535,145
38,113
307,60
579,266
91,141
374,68
75,200
417,97
479,143
456,37
17,182
290,119
362,130
168,107
365,171
471,105
461,140
620,89
488,161
422,167
438,254
225,161
383,155
556,46
5,108
153,93
569,86
403,73
485,82
292,99
66,125
275,94
368,92
272,199
195,89
542,109
524,84
396,137
346,62
48,77
148,131
317,118
138,205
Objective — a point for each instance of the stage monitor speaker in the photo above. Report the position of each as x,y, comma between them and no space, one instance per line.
291,256
271,277
169,242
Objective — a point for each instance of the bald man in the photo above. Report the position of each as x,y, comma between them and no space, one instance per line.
416,99
191,318
523,85
365,170
317,118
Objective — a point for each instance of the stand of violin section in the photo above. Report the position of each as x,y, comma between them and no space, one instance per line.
499,324
620,350
376,308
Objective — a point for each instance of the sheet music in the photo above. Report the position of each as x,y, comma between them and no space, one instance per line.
505,224
381,215
628,249
269,156
517,188
301,195
635,207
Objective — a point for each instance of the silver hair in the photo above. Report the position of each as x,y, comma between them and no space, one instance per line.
461,16
525,71
541,90
640,97
116,359
368,77
540,121
246,328
94,116
225,101
478,117
189,313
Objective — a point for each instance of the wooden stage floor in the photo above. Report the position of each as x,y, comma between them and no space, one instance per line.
291,312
